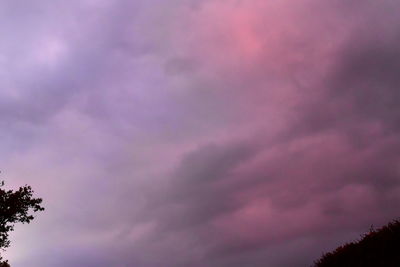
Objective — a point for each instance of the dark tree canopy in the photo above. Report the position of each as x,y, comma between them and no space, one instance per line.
377,248
15,206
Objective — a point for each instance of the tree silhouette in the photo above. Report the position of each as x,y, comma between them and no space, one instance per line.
379,247
15,206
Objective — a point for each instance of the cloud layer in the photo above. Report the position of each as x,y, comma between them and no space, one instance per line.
199,133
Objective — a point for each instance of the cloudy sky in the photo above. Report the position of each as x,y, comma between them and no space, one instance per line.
240,133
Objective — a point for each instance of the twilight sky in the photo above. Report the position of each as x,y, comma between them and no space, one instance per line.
240,133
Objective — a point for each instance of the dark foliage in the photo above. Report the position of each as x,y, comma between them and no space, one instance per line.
377,248
15,206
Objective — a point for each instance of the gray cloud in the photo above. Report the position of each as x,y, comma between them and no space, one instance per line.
155,142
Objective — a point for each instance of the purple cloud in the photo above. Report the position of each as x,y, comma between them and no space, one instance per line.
213,133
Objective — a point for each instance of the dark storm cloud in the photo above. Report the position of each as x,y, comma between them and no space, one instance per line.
198,183
368,78
213,134
341,162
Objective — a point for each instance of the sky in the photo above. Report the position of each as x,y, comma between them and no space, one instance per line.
240,133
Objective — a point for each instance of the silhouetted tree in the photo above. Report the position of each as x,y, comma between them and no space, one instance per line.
377,248
15,206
